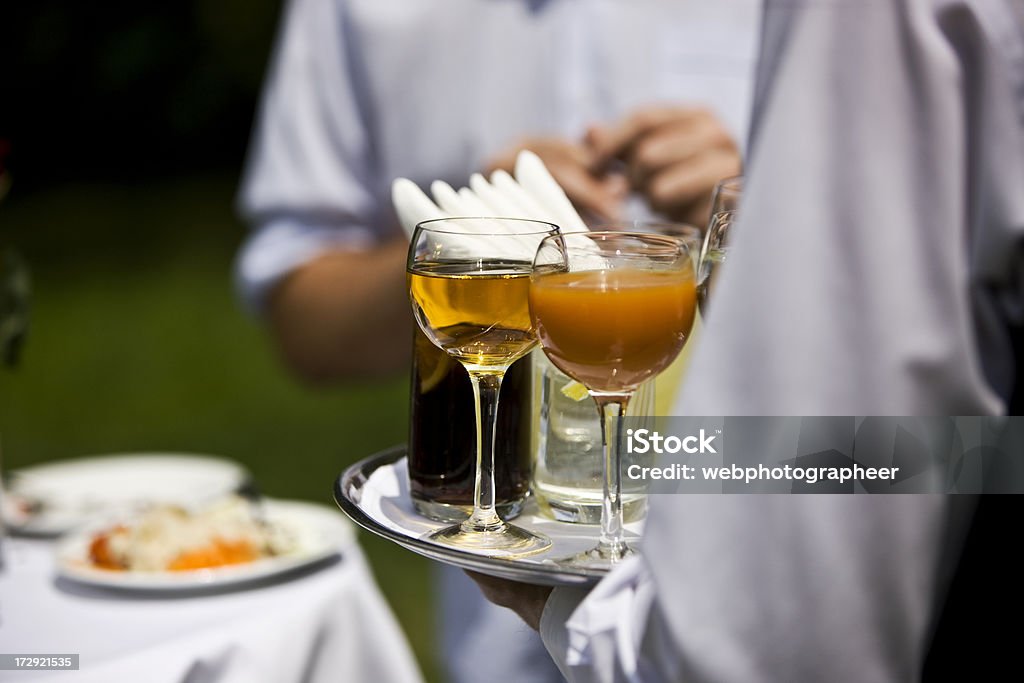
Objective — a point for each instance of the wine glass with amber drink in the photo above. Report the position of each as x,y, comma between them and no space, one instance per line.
469,281
612,310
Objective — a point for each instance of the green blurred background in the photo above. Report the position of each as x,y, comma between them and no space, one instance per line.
128,126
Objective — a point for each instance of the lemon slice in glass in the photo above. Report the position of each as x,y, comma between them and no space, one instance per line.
575,391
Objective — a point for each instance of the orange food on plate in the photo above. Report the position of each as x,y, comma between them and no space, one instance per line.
218,554
168,538
100,554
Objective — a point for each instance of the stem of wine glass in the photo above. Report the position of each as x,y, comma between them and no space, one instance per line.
611,545
486,385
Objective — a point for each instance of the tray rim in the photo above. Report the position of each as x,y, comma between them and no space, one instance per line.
357,474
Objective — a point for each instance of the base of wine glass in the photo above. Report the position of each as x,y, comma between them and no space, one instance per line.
580,505
451,513
597,557
504,540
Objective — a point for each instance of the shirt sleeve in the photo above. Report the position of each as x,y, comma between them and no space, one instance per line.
875,271
310,182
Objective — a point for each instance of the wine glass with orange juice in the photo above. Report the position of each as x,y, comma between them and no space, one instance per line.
612,310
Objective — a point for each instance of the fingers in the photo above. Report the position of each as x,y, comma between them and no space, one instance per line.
550,150
615,141
525,599
682,191
672,156
675,142
595,195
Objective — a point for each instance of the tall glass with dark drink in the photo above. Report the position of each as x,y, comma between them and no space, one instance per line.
442,436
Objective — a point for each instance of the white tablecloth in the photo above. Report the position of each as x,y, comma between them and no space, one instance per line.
328,625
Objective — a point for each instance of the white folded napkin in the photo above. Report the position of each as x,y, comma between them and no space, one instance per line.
533,194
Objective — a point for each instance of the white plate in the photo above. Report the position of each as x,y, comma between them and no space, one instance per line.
321,532
70,491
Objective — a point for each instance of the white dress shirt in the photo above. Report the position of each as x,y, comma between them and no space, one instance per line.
363,91
876,270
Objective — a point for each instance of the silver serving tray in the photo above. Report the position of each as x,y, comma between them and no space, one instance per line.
374,492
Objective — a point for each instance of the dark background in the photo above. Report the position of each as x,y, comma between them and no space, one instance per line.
127,125
130,92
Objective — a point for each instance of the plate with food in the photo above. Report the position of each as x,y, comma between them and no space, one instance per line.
231,541
52,498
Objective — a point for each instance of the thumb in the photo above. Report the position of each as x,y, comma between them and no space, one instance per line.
603,145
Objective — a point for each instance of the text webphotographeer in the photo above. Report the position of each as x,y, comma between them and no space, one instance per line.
762,472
